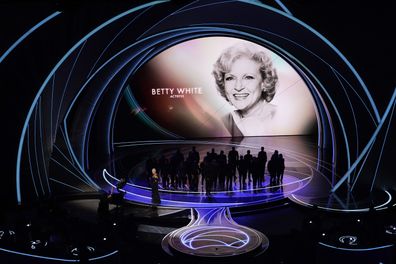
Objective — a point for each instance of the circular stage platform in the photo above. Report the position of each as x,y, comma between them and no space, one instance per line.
236,197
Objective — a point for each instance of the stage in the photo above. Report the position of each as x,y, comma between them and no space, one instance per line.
300,156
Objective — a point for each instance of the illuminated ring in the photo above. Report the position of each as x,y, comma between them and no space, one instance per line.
214,234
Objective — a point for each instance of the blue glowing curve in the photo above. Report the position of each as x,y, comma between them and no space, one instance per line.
30,164
382,148
283,7
35,149
378,207
24,36
56,259
42,147
163,19
372,139
355,249
108,45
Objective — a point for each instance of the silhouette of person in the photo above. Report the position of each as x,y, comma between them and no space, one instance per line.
271,166
275,163
222,164
248,161
262,156
242,169
233,161
281,162
155,197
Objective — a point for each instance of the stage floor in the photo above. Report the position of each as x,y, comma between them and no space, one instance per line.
303,162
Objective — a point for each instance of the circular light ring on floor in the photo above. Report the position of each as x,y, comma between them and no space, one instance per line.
382,204
216,241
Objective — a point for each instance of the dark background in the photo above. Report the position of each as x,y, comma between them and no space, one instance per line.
363,31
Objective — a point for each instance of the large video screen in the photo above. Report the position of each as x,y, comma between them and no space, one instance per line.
222,87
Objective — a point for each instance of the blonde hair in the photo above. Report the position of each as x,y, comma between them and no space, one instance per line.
254,53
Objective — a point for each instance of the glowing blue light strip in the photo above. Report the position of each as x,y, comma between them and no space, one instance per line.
30,31
387,202
283,7
357,94
22,138
56,259
353,115
35,148
362,166
65,184
108,45
42,147
81,179
104,256
66,158
383,145
378,207
372,139
163,19
37,256
52,104
67,146
30,162
205,5
67,83
355,249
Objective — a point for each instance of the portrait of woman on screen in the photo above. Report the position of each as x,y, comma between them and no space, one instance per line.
245,77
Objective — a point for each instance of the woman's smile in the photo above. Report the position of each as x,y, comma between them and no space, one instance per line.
243,84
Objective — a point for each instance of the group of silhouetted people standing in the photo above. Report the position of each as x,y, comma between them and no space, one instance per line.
216,171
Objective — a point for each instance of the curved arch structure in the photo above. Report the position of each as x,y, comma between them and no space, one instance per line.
70,123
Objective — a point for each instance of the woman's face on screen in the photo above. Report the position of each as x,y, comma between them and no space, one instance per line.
243,84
